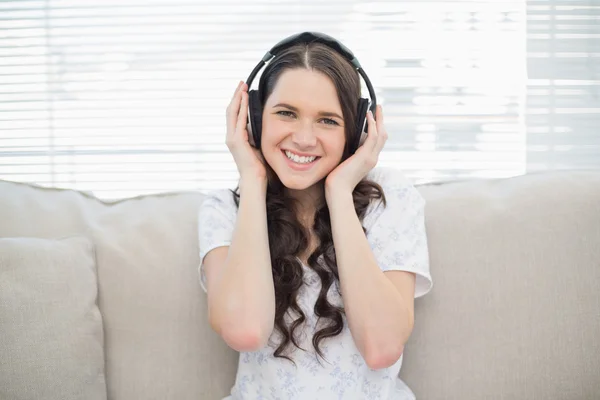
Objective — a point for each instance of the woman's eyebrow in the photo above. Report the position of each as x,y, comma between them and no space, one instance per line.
322,113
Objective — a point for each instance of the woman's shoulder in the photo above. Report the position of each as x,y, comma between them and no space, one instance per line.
389,178
219,199
399,192
394,183
219,195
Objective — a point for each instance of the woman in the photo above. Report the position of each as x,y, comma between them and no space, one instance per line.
317,306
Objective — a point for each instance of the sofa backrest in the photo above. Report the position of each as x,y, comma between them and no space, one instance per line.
515,308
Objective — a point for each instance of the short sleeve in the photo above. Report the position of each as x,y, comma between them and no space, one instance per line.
216,221
396,232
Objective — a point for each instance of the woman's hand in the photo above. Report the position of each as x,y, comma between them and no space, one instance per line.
344,178
249,160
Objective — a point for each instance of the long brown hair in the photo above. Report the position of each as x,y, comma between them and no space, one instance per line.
287,236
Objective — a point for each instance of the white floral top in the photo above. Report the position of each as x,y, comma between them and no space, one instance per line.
398,240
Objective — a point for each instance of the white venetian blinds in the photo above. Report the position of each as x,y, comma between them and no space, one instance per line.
125,97
563,102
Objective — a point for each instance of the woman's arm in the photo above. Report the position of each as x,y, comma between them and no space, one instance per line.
380,317
241,294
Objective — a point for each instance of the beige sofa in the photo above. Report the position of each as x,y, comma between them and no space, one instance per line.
101,299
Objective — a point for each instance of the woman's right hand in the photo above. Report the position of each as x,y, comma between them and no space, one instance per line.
249,160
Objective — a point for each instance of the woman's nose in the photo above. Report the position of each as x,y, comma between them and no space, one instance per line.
304,136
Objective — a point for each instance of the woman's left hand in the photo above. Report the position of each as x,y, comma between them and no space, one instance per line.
346,176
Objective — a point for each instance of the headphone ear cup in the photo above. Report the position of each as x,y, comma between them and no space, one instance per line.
361,126
254,118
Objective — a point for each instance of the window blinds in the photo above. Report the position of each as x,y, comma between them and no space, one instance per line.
127,97
563,102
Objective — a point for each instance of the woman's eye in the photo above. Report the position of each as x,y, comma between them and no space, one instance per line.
286,113
328,121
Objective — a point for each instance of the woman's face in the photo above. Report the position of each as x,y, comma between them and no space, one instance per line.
302,128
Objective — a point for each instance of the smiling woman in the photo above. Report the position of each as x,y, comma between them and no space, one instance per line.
304,258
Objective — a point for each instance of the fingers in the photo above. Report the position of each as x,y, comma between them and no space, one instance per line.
243,112
233,109
381,132
373,137
379,118
234,105
237,89
377,135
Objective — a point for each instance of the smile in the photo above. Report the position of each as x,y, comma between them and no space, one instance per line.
299,163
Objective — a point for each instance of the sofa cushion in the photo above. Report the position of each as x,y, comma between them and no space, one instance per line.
51,337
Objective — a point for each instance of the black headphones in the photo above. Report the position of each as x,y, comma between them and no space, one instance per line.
255,107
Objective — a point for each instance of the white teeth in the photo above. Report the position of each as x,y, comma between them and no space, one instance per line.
299,159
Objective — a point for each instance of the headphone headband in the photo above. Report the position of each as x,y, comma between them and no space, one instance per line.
310,37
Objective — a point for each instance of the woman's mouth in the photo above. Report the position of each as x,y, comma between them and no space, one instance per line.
299,163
